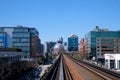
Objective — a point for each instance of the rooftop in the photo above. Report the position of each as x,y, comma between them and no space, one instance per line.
73,35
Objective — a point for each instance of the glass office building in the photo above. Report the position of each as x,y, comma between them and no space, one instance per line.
73,43
92,36
24,38
21,39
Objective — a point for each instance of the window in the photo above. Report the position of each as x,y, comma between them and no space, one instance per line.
112,64
20,30
1,40
21,39
1,34
1,44
97,46
21,35
33,44
25,40
97,50
106,60
21,44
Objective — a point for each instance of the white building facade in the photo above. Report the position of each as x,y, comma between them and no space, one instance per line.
112,61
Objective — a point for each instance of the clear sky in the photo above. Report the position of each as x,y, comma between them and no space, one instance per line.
56,18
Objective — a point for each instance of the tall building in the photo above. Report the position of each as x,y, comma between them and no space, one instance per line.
52,44
46,48
82,47
73,43
95,40
21,37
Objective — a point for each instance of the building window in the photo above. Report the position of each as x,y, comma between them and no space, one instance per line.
21,39
97,46
106,60
97,50
21,30
1,40
32,44
1,44
21,35
21,44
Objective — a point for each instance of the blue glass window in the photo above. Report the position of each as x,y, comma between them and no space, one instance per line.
21,44
21,35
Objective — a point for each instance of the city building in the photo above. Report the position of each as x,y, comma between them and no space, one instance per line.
52,44
101,41
73,43
112,61
24,38
42,49
60,40
20,39
107,46
35,46
48,47
82,47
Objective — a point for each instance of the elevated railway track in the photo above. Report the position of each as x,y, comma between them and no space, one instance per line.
68,68
103,73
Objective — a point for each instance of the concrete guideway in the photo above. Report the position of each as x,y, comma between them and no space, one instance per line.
91,72
68,68
75,75
78,72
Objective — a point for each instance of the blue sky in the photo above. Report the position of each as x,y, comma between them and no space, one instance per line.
56,18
